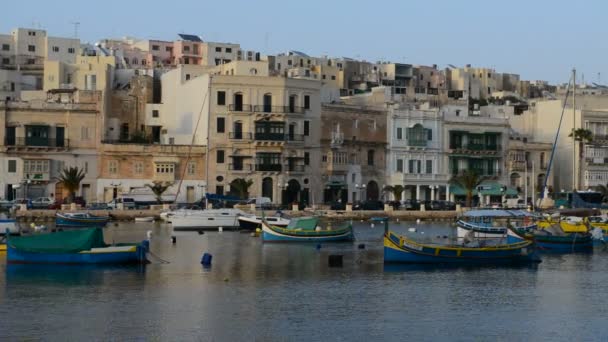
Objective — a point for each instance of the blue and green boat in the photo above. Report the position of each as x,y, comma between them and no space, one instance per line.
78,220
306,229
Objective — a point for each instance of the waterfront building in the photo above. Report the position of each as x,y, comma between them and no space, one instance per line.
353,152
41,137
527,164
415,154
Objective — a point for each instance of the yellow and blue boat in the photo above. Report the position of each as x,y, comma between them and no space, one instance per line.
401,249
305,229
83,246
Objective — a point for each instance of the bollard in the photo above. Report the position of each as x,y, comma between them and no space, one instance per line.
335,260
220,229
173,239
200,232
206,259
361,246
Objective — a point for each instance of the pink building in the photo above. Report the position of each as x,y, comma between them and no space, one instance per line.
188,49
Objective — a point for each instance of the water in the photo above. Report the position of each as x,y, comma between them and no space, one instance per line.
287,292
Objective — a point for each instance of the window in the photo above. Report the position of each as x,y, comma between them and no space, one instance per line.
31,48
228,50
324,158
221,98
6,61
306,101
186,48
12,166
31,61
154,113
324,77
165,168
370,157
191,168
86,167
219,189
333,77
138,168
289,62
306,158
353,177
71,50
219,156
84,133
155,47
31,33
55,48
169,48
6,47
399,165
399,133
429,134
221,125
410,166
306,128
218,49
113,167
429,166
187,76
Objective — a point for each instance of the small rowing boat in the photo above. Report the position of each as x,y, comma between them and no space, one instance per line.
80,220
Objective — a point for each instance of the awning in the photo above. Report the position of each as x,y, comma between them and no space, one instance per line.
335,184
489,188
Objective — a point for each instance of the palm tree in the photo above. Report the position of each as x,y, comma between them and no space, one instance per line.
158,189
583,136
71,178
240,186
397,191
469,180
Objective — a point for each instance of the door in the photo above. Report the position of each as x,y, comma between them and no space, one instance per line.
86,192
292,132
238,130
238,102
60,136
156,134
108,194
59,195
267,103
292,104
10,136
190,198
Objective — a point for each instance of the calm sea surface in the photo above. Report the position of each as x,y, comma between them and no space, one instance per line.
284,292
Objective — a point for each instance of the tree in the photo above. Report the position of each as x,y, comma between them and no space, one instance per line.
397,191
240,187
158,189
469,180
71,178
583,136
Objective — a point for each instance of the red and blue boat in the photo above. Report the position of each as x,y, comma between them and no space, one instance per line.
81,246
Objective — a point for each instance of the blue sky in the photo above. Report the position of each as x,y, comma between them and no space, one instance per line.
536,38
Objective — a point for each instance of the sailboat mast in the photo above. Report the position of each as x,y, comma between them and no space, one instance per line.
574,168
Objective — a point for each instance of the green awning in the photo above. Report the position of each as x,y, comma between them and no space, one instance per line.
335,184
490,188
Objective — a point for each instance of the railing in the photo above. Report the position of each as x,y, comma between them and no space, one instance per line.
239,135
279,109
239,108
270,136
417,143
268,167
240,167
477,147
295,168
36,142
294,137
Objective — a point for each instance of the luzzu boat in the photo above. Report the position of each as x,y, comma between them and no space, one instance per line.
553,239
569,224
599,222
401,249
305,229
490,223
83,246
80,220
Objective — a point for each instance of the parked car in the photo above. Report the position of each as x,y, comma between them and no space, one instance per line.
447,205
338,206
126,203
98,206
42,202
410,204
369,205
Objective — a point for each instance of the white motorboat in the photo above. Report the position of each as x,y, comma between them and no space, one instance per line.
186,219
251,222
145,219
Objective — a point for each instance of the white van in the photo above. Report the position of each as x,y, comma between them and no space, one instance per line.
122,203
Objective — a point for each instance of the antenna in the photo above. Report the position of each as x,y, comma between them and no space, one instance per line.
76,25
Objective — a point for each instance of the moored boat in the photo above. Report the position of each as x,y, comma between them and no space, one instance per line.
553,239
306,229
493,223
145,219
8,224
252,222
80,220
82,246
187,219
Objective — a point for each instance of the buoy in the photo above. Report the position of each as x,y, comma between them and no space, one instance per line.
200,232
361,246
397,219
173,239
206,259
335,260
372,225
417,221
220,229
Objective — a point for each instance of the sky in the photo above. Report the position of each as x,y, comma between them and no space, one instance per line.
538,39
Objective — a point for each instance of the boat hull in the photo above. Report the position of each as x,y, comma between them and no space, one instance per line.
558,244
135,255
10,225
398,250
204,219
482,232
276,234
249,223
75,222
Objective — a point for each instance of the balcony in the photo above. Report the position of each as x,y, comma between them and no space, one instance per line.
294,138
270,136
268,167
239,108
240,167
295,168
475,148
417,143
517,165
279,109
36,143
239,136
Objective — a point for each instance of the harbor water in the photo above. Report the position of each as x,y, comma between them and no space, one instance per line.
287,292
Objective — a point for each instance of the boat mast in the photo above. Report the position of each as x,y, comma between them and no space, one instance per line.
575,169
